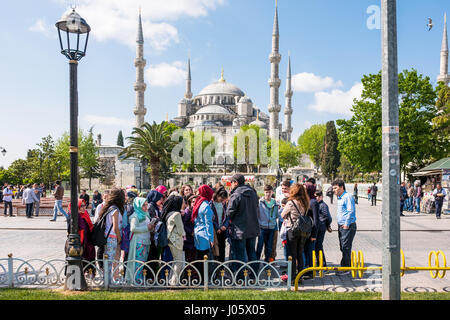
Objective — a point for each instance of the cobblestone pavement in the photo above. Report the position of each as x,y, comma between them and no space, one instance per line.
38,238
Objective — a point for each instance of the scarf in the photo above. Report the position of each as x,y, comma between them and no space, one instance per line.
84,215
137,206
205,194
172,204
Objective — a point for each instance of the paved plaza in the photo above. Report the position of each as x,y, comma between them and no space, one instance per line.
420,234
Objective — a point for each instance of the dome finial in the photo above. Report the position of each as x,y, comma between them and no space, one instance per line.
222,79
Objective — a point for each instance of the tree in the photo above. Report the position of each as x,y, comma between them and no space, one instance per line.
360,136
89,162
152,143
331,157
256,147
289,154
346,170
441,122
207,143
120,139
311,142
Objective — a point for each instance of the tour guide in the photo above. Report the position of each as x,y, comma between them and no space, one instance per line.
346,219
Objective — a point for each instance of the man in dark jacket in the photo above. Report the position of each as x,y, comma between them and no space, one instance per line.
242,210
324,225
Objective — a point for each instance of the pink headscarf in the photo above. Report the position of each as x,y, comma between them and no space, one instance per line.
161,189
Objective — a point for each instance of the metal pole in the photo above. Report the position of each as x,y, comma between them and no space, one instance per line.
75,276
390,153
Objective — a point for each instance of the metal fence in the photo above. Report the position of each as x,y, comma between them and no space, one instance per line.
108,274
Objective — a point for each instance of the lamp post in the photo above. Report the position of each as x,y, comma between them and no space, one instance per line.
75,30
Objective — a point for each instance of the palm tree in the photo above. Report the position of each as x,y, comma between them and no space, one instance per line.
152,143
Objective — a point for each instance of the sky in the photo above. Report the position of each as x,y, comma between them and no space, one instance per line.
332,44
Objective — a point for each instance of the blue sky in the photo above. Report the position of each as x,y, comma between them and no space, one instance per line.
330,44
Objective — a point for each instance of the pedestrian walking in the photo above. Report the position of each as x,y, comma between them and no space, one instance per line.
373,194
346,219
243,210
324,226
439,195
410,201
297,205
29,198
59,195
7,200
268,215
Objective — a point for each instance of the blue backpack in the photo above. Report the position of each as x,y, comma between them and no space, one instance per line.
161,239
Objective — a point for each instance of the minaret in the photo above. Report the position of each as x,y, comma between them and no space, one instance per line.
140,111
288,106
275,82
444,76
188,94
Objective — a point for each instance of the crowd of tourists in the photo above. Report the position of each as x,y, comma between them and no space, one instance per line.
184,225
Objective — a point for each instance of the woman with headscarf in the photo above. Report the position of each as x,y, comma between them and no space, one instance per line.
140,228
175,233
154,199
202,217
85,227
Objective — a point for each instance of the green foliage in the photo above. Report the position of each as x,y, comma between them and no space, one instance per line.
311,142
360,136
347,171
120,139
256,147
152,143
289,155
331,157
441,122
88,160
208,147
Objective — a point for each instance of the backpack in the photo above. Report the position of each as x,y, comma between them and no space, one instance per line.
98,232
303,225
161,238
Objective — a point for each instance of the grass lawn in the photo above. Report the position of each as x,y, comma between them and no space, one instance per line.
40,294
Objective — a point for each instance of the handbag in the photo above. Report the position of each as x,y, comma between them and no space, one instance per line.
303,225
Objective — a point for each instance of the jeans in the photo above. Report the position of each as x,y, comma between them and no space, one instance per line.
37,206
374,200
58,206
319,245
242,250
417,204
438,205
295,247
402,206
309,247
265,239
8,204
345,243
29,209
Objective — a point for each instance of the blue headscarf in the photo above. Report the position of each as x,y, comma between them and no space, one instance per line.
137,206
154,196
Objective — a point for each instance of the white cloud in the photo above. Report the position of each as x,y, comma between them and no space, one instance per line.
117,19
108,121
166,75
309,82
41,26
337,101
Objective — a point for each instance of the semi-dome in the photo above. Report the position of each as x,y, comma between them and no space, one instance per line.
213,109
245,99
222,88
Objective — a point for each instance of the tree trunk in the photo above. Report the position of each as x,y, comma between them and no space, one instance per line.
154,165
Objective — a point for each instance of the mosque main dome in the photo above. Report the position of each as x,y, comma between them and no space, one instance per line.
222,88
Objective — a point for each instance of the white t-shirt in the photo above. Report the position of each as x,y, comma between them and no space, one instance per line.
7,194
109,222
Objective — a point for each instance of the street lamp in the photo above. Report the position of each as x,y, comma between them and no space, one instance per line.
76,32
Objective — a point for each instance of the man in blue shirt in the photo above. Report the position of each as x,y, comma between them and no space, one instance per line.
346,219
